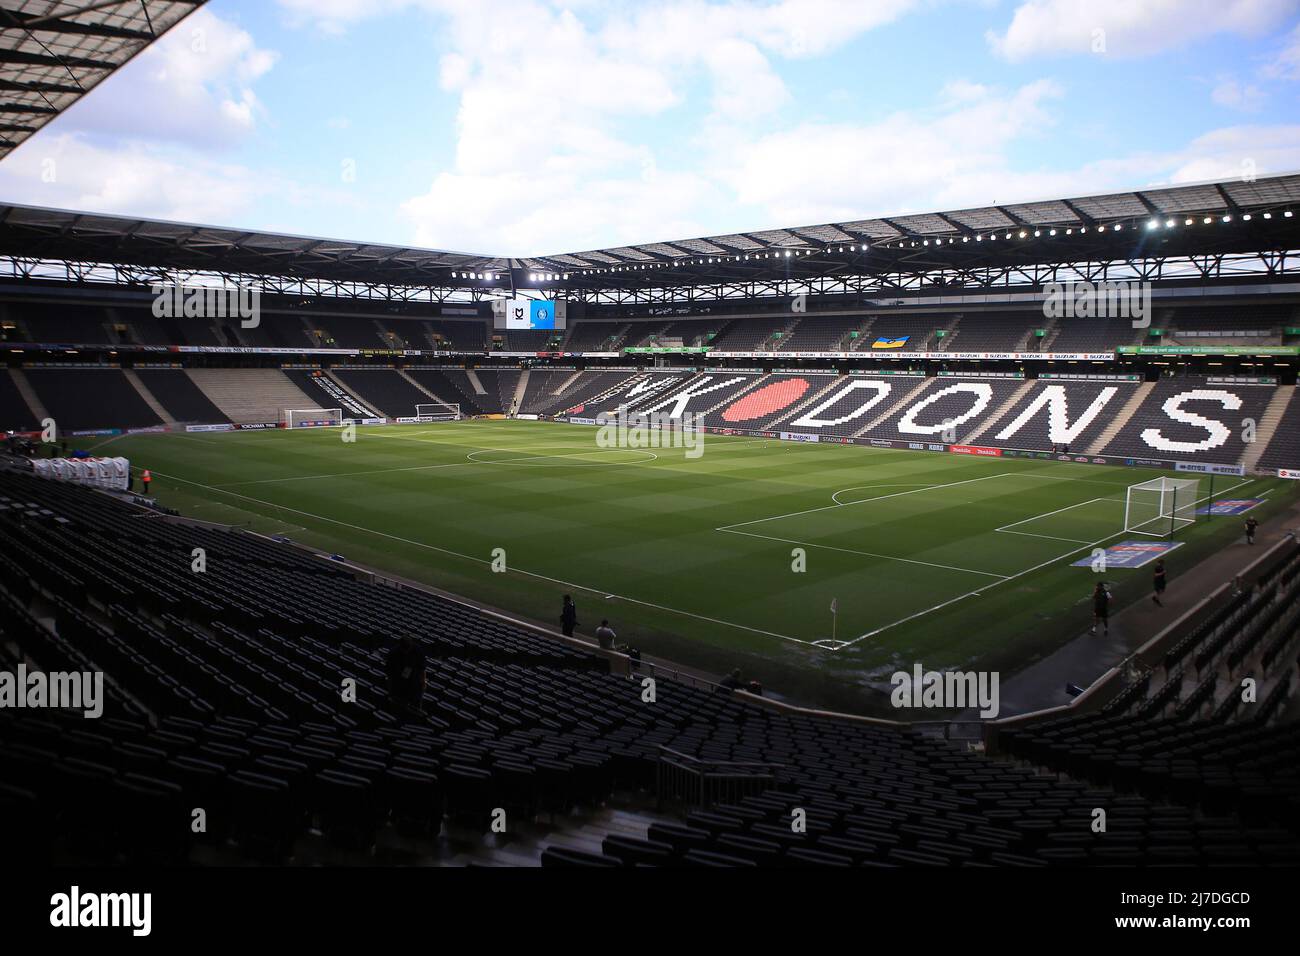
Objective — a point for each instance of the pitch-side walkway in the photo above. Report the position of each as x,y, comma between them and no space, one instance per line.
1089,656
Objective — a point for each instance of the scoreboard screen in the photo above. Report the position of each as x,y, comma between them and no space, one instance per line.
543,314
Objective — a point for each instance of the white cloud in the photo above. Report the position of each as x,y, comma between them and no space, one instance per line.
1228,93
1286,65
193,86
1128,28
570,164
69,172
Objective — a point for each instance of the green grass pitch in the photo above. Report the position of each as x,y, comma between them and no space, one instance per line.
943,559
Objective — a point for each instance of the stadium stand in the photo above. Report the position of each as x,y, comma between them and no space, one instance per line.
820,333
781,392
995,332
748,335
1091,335
1284,450
223,692
852,403
177,393
589,386
452,385
585,336
15,414
902,333
961,404
95,397
1059,412
1180,733
61,324
695,395
384,389
1156,431
251,394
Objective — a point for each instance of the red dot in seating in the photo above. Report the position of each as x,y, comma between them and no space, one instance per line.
766,400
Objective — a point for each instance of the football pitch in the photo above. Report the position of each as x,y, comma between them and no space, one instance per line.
731,558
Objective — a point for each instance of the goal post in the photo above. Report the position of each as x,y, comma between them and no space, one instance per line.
312,417
437,412
1160,507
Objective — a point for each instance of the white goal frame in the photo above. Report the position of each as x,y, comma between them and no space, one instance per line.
1160,507
437,412
313,418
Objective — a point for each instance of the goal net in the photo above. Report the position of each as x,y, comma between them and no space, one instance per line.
312,417
437,412
1161,506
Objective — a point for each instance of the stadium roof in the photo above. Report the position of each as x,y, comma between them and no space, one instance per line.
52,53
1203,219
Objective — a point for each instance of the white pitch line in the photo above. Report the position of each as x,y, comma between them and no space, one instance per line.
1019,574
897,494
468,557
1048,514
868,554
1050,537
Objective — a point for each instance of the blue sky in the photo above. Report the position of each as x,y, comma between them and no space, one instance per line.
522,127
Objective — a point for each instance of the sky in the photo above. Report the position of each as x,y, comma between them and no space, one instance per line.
530,127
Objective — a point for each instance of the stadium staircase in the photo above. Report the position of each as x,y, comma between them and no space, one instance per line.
897,407
1122,419
29,394
863,330
410,378
521,387
1267,426
474,382
775,344
148,396
987,422
817,396
1053,330
566,383
250,395
390,337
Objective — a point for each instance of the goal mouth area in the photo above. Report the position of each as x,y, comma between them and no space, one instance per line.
1161,507
313,418
437,412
